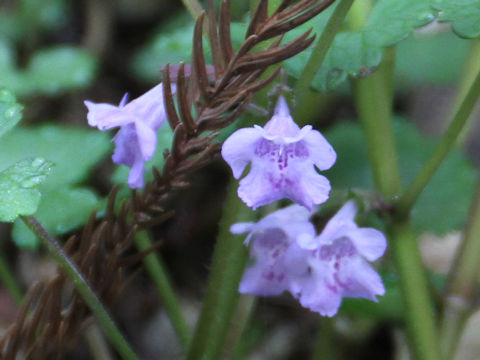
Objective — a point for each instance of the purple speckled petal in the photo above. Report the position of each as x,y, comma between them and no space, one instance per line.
359,279
320,295
238,149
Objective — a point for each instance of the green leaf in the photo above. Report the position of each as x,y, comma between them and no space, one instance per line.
463,14
444,204
59,212
74,151
358,53
49,71
422,59
18,188
55,69
10,111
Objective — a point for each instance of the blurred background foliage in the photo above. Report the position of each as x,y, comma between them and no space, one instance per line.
54,54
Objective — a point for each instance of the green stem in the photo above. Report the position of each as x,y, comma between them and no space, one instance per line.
243,313
463,282
325,342
221,296
96,342
418,309
320,50
159,275
8,280
408,199
193,7
373,98
81,285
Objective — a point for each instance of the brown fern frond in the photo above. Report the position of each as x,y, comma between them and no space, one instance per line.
208,100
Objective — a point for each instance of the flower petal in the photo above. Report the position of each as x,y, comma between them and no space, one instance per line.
126,146
256,188
359,280
369,242
106,116
238,149
147,140
281,124
340,224
321,152
320,296
135,177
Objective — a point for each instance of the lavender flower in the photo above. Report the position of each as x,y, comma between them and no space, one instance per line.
317,270
138,120
282,158
338,263
277,259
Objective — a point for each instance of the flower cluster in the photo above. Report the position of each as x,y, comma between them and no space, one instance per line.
138,120
287,254
318,270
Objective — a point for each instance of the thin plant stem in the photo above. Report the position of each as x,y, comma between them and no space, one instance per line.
157,271
96,342
408,199
373,98
8,280
462,282
470,69
83,288
320,50
193,7
324,344
243,313
221,297
419,312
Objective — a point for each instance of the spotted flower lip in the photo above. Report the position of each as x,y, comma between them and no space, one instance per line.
338,259
277,258
138,120
283,158
318,270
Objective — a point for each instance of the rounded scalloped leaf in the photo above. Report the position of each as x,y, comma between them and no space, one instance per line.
18,188
463,14
358,53
74,151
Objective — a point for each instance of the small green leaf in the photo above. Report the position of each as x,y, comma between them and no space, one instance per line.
463,14
74,151
59,212
18,188
358,53
444,204
10,111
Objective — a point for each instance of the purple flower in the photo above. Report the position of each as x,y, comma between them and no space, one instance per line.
317,270
282,158
277,258
338,263
138,120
